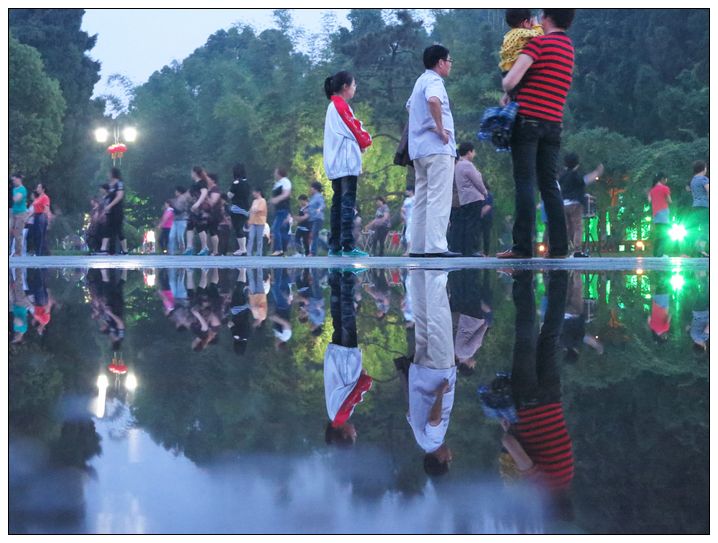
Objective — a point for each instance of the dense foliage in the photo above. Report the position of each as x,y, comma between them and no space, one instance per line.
639,102
36,110
63,46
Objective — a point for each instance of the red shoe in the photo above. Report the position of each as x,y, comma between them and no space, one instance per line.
510,254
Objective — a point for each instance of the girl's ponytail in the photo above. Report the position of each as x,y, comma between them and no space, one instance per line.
328,87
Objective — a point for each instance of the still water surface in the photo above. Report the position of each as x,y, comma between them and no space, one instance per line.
324,401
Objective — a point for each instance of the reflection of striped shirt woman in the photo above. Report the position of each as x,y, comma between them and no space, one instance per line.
543,434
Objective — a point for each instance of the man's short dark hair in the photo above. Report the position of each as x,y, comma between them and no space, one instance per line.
115,173
561,17
514,17
17,175
698,166
465,147
302,197
316,185
180,189
281,171
435,467
433,54
570,160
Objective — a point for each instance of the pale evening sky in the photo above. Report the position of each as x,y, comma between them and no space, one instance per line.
137,42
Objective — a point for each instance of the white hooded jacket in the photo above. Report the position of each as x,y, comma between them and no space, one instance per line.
342,155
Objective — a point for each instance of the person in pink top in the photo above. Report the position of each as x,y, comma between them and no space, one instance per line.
165,224
660,197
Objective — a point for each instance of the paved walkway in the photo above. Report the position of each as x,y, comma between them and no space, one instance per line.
163,261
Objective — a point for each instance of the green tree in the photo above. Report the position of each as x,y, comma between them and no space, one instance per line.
57,35
36,107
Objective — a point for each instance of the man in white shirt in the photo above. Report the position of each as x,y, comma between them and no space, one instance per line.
432,148
432,375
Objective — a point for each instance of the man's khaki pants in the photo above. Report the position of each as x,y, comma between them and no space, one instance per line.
17,226
432,203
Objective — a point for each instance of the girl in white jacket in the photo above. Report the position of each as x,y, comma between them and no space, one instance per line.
344,141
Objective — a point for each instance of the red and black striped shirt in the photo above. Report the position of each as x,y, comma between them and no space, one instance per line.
543,435
544,87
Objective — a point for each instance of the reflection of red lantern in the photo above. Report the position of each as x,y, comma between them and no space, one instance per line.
118,369
116,150
117,366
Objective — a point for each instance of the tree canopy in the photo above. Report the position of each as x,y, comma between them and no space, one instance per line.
640,94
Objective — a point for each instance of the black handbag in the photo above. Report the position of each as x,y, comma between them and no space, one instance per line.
401,156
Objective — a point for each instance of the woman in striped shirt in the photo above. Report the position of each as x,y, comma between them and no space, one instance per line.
545,70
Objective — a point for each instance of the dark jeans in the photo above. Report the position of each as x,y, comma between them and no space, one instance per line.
302,241
469,234
535,147
280,230
487,223
39,229
660,235
317,225
164,239
238,222
535,376
342,213
341,302
379,241
452,236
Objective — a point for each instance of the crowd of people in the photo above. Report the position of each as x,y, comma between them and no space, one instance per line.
449,209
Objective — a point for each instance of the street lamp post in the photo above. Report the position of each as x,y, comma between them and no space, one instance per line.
118,148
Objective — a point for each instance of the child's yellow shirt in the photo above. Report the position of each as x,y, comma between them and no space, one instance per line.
514,41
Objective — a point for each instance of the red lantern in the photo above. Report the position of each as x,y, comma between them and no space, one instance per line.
116,150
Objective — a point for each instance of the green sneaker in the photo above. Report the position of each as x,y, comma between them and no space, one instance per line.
356,270
334,253
355,253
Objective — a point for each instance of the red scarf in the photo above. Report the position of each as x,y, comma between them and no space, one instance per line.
354,124
355,396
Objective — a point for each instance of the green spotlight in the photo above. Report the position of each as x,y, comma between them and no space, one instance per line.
677,281
677,232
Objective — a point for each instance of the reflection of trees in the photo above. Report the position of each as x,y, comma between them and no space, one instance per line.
637,414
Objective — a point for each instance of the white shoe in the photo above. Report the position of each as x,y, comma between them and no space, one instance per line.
239,253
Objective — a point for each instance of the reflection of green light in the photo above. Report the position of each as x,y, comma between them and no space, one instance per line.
621,305
677,281
608,289
647,296
677,232
647,219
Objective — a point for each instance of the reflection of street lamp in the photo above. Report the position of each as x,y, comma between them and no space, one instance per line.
118,148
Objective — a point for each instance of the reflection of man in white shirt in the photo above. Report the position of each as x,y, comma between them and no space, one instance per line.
432,375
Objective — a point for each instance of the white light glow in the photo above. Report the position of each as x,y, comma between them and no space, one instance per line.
131,382
101,135
129,134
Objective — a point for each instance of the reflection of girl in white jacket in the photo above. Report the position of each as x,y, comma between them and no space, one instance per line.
344,141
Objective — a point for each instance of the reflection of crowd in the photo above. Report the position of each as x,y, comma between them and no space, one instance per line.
30,303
